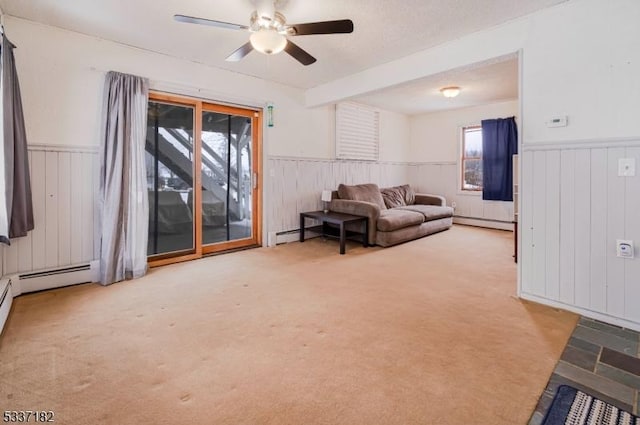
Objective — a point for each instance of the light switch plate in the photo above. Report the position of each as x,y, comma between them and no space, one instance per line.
626,167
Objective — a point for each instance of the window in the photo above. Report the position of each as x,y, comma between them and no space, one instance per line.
357,132
471,164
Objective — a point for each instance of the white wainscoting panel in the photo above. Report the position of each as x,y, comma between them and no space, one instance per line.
294,184
574,207
442,179
631,231
64,190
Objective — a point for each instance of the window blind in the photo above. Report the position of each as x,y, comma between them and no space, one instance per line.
357,132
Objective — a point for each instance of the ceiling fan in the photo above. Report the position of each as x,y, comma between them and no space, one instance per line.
270,32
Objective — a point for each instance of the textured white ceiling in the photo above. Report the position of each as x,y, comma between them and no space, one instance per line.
384,29
480,84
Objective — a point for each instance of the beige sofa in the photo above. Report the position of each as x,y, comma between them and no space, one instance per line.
396,214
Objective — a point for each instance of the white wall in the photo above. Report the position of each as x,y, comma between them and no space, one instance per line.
435,137
435,147
63,185
296,183
62,75
580,59
394,136
574,209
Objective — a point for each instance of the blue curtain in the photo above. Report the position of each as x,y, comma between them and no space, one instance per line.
499,144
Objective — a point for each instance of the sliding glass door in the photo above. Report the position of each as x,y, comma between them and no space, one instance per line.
227,189
170,164
215,209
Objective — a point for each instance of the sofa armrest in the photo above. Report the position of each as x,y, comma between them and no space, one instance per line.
428,199
363,208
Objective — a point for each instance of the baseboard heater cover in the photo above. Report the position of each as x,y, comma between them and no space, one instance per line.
483,222
288,236
54,278
492,220
5,300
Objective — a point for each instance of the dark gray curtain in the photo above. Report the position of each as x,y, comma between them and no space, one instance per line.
16,162
123,179
499,144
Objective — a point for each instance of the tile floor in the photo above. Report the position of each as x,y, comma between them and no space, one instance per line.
601,360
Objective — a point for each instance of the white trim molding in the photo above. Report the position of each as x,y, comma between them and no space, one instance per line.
62,148
582,311
610,142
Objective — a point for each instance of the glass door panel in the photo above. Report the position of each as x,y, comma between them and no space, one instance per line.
170,163
202,160
227,203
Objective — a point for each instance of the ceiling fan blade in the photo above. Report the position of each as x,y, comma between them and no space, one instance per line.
243,51
210,22
343,26
299,54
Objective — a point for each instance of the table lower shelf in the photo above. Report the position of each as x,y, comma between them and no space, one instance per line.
333,232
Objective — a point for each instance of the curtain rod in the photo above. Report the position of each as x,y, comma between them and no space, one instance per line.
172,86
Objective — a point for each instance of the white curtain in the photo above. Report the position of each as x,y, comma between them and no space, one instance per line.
123,185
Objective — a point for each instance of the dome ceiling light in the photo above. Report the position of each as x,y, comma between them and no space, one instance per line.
451,91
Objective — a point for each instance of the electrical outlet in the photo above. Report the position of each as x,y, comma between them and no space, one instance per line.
624,248
626,167
453,205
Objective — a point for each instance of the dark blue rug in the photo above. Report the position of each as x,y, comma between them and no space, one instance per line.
573,407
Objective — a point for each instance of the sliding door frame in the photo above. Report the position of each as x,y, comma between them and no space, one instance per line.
199,106
256,168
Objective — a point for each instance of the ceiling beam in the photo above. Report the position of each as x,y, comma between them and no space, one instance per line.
503,40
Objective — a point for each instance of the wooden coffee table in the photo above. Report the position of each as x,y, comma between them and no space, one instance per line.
339,219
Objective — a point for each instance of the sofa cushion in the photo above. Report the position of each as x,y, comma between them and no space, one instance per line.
362,192
398,196
430,212
394,219
413,232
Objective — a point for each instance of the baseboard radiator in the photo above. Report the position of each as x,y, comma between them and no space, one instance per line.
54,278
483,222
6,299
18,284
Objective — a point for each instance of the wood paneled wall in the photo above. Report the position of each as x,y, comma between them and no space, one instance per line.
64,187
574,207
294,184
443,179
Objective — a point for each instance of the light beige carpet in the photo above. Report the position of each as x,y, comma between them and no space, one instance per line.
428,332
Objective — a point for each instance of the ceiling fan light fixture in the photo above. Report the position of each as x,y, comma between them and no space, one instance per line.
451,91
268,41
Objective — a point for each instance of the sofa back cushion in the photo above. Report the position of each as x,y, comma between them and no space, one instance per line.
398,196
362,192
